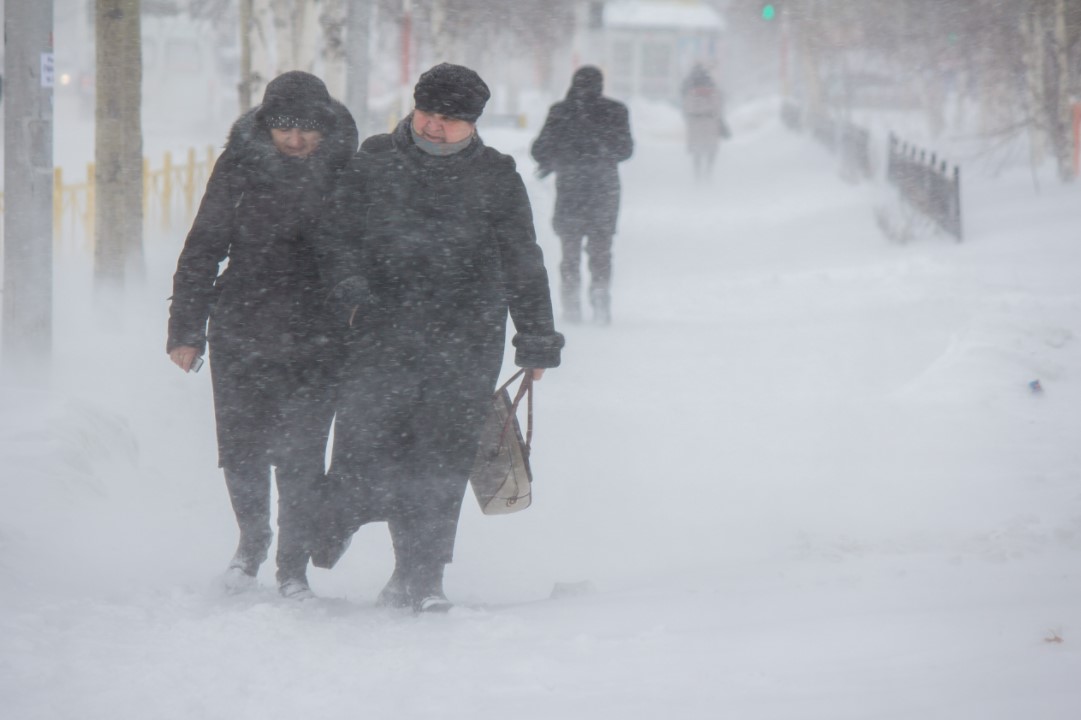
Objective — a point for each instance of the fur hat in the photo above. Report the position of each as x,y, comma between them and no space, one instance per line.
296,99
451,90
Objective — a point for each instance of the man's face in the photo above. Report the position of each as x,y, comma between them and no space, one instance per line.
295,142
440,128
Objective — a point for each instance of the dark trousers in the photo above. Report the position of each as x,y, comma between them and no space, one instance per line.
599,250
270,416
249,492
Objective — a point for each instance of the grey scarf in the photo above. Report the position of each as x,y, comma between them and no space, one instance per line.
439,149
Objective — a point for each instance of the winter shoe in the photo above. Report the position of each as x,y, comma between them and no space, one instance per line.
394,594
235,580
425,589
296,589
418,588
432,604
251,551
245,563
240,575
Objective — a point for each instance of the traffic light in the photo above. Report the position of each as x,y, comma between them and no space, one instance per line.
769,12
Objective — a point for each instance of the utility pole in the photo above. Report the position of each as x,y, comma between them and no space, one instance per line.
118,149
27,327
358,24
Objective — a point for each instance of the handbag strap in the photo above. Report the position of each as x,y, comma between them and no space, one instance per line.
524,390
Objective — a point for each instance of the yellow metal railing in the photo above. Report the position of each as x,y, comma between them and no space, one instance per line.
170,195
73,206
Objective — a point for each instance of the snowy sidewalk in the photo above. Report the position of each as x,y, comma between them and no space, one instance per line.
802,475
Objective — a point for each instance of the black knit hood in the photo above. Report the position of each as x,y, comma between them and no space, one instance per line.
587,84
251,145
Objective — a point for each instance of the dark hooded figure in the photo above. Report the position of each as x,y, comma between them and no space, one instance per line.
584,138
272,348
432,243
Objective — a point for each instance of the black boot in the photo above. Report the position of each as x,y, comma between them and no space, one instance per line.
293,571
251,551
418,588
249,492
394,593
294,532
425,589
295,588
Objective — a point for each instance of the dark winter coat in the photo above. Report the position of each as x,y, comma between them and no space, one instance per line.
583,139
433,252
269,335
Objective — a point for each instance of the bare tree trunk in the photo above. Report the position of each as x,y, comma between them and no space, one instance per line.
244,87
443,45
358,61
118,152
1061,122
260,38
27,325
332,22
287,35
282,16
306,36
1033,57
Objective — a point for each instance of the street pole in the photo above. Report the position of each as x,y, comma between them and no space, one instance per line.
358,24
118,152
27,327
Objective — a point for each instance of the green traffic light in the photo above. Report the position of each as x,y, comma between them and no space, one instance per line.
768,12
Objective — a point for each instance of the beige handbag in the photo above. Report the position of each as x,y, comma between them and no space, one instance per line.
501,477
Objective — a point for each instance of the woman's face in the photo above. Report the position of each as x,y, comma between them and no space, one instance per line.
295,142
440,128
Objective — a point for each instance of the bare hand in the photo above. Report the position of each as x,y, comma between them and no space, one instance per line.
538,373
183,356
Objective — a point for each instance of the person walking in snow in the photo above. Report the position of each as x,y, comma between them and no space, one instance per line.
272,348
703,113
584,138
431,242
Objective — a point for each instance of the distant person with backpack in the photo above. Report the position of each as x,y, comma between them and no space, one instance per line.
703,112
583,140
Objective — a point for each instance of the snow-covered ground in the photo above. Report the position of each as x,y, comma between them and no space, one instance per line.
803,475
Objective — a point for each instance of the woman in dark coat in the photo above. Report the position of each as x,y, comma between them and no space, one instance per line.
434,242
584,138
273,349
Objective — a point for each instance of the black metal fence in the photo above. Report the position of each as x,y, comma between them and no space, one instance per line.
850,142
854,146
927,184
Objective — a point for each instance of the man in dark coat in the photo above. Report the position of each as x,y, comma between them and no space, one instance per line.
432,243
273,349
583,140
